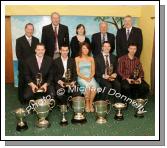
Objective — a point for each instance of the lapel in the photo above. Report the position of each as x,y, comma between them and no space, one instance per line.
124,34
61,66
26,42
99,39
131,33
102,61
43,64
35,64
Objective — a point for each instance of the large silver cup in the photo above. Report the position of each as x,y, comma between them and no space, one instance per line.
78,105
21,113
119,107
101,110
42,108
139,112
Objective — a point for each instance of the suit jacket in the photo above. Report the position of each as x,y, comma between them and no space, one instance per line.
122,42
24,50
59,69
96,43
75,46
31,69
48,38
100,66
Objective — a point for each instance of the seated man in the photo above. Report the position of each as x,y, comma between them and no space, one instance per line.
35,65
132,74
106,67
65,68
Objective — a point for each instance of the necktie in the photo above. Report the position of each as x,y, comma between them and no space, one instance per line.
103,38
107,64
29,41
55,33
127,34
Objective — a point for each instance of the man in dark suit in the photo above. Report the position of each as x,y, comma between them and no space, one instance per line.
107,79
100,37
38,63
54,36
127,35
25,47
61,66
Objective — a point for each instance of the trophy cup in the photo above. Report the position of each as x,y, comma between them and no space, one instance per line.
67,78
39,82
101,110
42,108
78,104
63,110
139,112
119,107
21,113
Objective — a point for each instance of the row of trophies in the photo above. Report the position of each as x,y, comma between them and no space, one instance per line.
44,105
102,108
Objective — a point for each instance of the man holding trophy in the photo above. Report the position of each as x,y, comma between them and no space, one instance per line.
132,74
38,74
106,67
65,77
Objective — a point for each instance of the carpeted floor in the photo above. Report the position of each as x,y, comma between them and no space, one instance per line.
130,126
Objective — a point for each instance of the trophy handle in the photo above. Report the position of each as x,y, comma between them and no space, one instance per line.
108,103
52,103
32,104
69,99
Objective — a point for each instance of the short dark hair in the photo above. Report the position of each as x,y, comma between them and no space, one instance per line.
132,44
105,43
40,44
87,45
28,25
79,26
64,45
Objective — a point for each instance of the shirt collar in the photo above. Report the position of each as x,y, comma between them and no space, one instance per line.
28,38
63,59
104,54
129,29
53,26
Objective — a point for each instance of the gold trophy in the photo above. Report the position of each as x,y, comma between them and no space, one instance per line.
135,74
21,113
109,71
119,107
78,105
39,82
42,108
67,78
101,110
139,112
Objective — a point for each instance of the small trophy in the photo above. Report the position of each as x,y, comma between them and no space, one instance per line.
63,110
109,70
119,107
39,82
135,74
67,78
21,113
139,112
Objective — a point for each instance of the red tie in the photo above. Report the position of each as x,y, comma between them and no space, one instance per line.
55,33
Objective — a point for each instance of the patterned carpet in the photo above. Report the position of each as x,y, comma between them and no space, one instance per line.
130,126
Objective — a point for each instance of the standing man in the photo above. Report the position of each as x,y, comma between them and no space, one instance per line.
100,37
54,36
126,35
25,47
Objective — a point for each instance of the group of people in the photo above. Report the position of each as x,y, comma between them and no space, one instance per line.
88,62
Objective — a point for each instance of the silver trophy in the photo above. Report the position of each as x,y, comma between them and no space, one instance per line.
63,110
101,110
139,112
67,78
119,107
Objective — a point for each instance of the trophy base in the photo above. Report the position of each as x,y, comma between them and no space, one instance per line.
40,91
43,124
119,118
101,120
22,128
64,123
74,121
139,115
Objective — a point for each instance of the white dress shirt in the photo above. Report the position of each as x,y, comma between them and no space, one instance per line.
39,61
64,65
